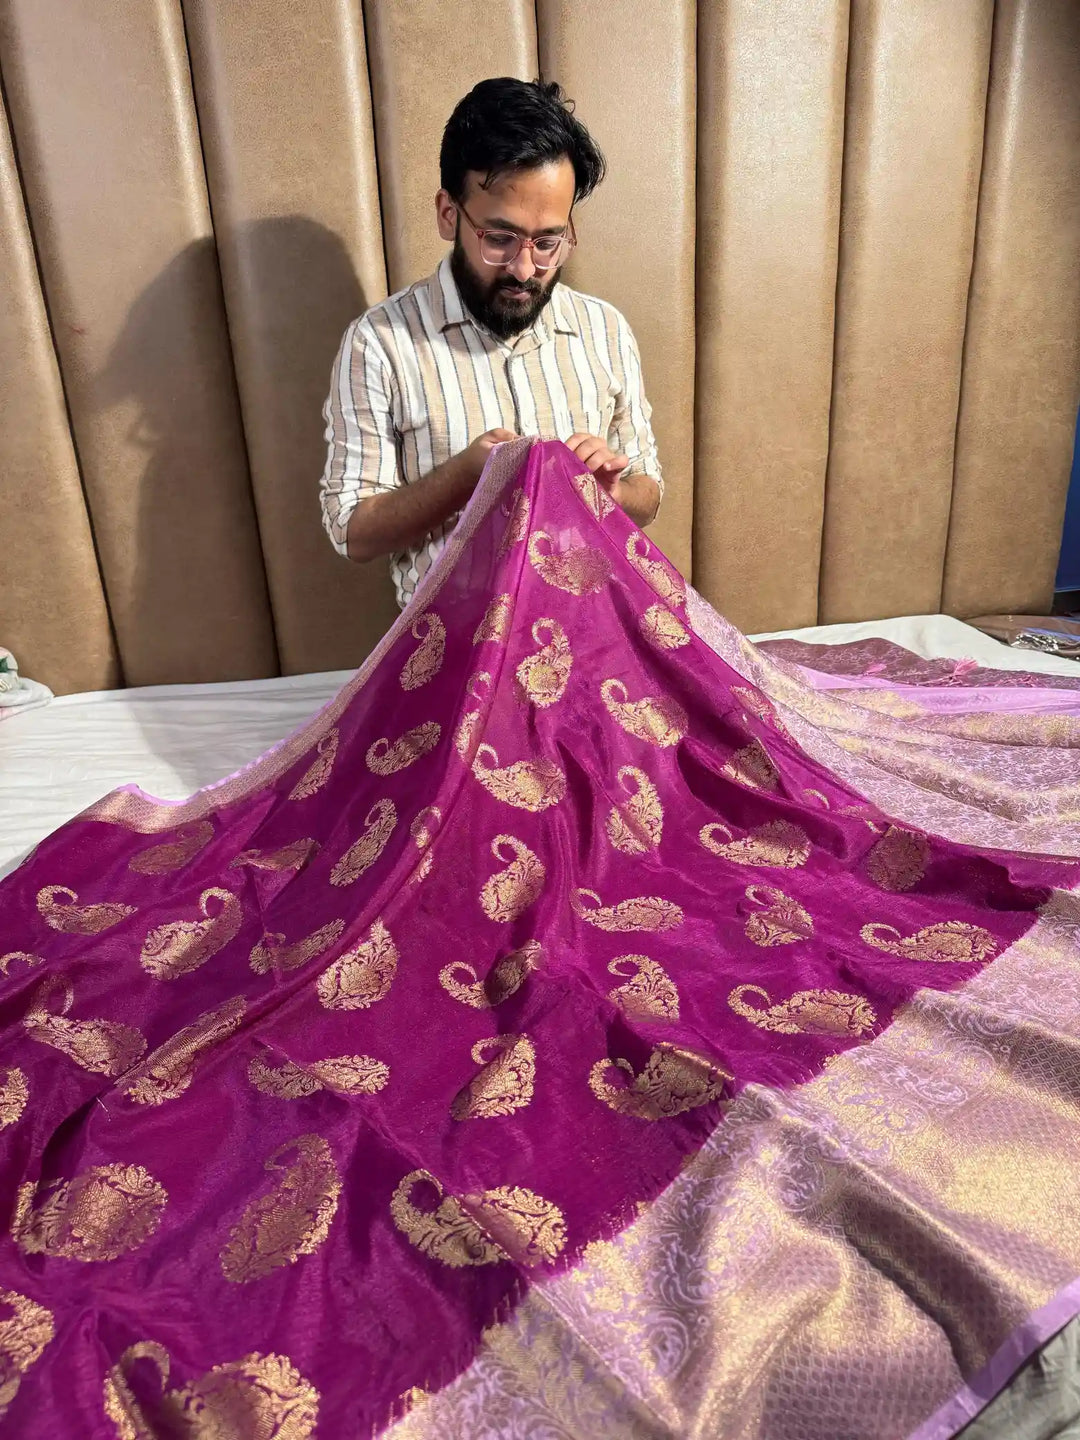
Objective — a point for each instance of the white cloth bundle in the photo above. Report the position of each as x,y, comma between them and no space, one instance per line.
17,693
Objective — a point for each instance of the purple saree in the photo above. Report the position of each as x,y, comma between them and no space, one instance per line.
582,1027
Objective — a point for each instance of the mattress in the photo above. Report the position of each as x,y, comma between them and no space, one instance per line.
171,740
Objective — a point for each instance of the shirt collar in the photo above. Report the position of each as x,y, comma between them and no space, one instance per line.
446,302
449,309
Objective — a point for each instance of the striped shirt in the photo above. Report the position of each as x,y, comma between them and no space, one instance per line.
416,380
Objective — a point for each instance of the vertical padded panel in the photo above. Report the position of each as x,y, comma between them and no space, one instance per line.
104,125
424,56
52,607
285,117
637,231
917,79
1022,360
770,143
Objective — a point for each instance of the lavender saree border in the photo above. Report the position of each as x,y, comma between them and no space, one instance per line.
1010,1357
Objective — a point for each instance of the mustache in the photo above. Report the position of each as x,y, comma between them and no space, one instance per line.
533,287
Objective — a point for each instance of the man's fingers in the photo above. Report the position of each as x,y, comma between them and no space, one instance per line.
614,463
594,453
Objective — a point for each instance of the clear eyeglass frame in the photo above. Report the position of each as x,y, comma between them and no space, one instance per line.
502,247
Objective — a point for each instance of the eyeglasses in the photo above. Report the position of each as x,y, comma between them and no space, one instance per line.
502,247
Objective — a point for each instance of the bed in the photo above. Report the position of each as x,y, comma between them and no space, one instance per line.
173,739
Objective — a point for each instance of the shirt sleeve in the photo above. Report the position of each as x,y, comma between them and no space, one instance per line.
630,432
361,454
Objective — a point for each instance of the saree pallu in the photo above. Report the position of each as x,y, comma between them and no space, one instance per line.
584,1026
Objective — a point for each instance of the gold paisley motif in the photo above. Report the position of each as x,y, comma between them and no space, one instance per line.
817,795
363,975
497,622
510,892
649,994
23,1337
342,1074
362,854
542,678
518,524
292,1219
168,1071
509,1223
423,870
780,921
673,1080
293,856
104,1047
318,772
287,1081
173,854
899,859
667,583
426,660
504,1085
580,570
384,758
661,722
757,704
663,629
753,766
528,1229
643,912
636,826
425,826
14,1093
13,955
809,1012
949,942
777,843
272,953
532,785
471,725
595,496
260,1397
447,1233
181,946
504,978
71,918
103,1213
350,1074
423,830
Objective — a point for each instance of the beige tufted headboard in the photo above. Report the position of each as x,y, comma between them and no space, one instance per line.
848,237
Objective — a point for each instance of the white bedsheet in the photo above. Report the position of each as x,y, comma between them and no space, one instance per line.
173,739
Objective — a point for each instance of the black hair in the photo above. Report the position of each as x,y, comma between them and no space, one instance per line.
508,124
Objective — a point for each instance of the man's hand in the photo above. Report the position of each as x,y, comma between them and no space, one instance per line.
384,524
605,464
637,495
475,457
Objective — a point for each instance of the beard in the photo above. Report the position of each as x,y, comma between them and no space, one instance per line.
488,302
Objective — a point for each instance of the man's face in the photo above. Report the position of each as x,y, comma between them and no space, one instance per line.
506,299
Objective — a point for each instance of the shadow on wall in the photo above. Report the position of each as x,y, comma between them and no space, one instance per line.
296,292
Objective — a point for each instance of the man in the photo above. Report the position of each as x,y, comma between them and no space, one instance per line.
490,347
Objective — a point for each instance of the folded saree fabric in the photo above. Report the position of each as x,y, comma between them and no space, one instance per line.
1053,634
582,1027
